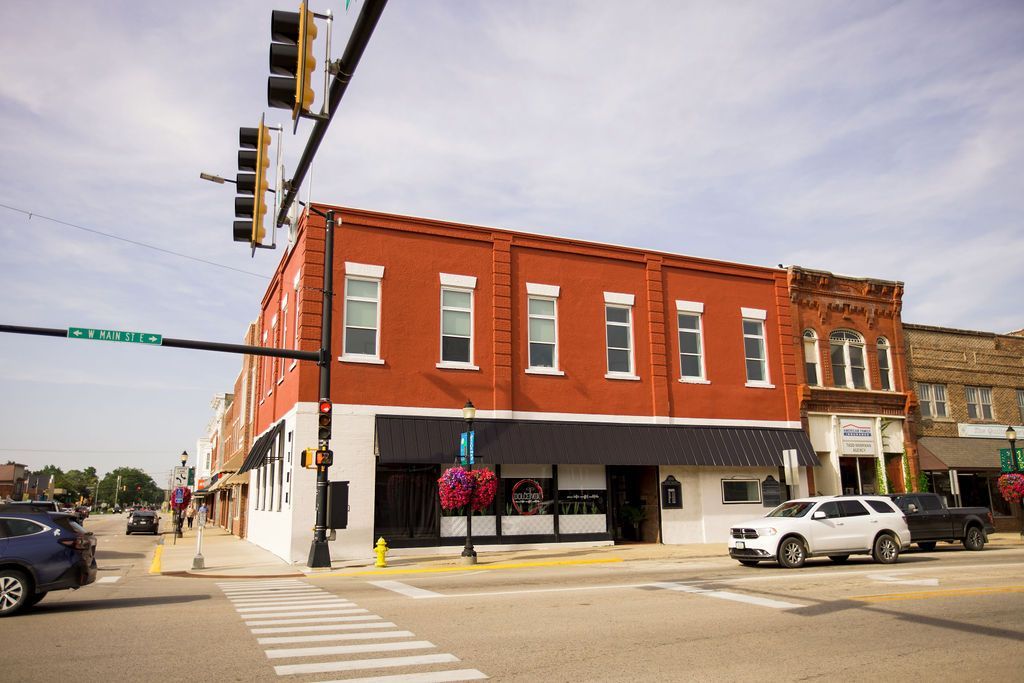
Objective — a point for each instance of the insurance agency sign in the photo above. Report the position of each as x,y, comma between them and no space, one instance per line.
856,437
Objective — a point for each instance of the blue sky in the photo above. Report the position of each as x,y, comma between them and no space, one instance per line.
877,139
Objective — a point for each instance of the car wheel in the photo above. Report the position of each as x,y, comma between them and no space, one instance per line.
34,598
792,553
127,533
886,550
926,546
839,559
749,563
975,540
15,591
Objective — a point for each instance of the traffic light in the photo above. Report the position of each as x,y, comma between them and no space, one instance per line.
324,457
252,184
291,57
308,459
324,420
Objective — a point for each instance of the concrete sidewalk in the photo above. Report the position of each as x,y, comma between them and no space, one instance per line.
227,556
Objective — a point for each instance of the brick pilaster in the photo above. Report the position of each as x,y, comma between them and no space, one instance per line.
502,307
660,395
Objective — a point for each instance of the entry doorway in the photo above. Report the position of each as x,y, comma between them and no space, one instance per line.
858,475
635,513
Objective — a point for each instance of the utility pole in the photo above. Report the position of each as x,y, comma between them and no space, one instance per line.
117,489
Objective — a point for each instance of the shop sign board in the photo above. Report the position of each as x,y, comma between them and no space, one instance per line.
988,431
771,492
1006,463
857,438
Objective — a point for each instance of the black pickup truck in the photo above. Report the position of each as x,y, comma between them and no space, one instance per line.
931,521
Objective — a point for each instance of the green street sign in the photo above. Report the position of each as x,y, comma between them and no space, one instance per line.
115,336
1006,464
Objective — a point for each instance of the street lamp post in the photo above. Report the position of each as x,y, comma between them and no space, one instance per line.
468,413
178,519
1011,436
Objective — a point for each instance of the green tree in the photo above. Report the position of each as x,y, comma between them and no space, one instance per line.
137,487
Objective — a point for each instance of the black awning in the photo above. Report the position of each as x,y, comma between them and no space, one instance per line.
405,439
258,453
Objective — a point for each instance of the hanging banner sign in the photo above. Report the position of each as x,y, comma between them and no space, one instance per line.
857,438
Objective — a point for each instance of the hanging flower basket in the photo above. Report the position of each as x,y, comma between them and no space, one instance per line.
457,487
1011,486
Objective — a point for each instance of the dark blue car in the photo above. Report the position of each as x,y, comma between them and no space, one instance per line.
41,551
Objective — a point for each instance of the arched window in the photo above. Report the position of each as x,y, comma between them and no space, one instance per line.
811,362
885,364
846,350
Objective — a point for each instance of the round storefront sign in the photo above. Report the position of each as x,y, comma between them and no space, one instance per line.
527,497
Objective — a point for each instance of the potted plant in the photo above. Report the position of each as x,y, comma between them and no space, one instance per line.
632,518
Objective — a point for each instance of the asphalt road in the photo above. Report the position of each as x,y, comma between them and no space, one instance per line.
949,615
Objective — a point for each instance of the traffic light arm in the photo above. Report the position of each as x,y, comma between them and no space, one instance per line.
361,33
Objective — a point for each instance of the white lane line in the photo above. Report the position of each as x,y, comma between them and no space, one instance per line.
428,677
333,637
318,620
319,628
356,664
349,649
307,613
405,589
109,579
295,607
726,595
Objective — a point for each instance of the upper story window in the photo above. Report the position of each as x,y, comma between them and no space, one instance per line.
362,313
284,335
295,308
933,399
846,350
885,364
1020,404
542,323
979,403
812,365
689,318
755,355
265,368
457,321
618,324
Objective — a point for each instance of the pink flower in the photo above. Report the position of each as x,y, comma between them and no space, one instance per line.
1011,486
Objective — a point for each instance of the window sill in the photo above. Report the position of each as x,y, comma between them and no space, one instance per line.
449,365
759,385
280,380
693,380
369,360
621,375
545,371
292,366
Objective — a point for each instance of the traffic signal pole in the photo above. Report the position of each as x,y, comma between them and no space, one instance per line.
319,553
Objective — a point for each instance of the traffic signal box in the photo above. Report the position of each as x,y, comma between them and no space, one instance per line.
324,421
291,57
252,184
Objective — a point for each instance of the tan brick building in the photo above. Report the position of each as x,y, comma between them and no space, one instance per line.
970,386
856,401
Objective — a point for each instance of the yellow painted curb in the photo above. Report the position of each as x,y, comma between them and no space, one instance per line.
155,567
952,592
466,568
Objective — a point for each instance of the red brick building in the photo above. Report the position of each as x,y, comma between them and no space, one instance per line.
621,393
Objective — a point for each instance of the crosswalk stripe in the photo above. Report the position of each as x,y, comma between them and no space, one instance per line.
331,637
306,613
235,585
357,664
279,621
306,599
273,594
727,595
406,590
324,627
349,649
427,677
295,607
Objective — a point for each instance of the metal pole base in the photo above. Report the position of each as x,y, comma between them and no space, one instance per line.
198,562
469,559
319,555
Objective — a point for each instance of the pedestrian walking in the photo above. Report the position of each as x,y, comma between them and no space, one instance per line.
190,515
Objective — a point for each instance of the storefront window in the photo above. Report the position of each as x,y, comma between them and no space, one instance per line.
406,501
528,495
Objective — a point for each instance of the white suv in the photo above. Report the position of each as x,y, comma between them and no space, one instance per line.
836,526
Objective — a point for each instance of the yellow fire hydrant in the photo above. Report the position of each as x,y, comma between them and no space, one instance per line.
381,549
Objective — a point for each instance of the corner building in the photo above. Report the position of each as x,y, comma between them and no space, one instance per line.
621,394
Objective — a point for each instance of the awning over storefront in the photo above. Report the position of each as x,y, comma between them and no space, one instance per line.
959,453
258,453
406,439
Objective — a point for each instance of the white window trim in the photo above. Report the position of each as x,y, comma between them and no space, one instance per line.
550,291
689,306
458,281
848,363
754,313
888,357
284,333
364,270
619,299
703,378
817,356
374,358
448,364
621,303
766,383
760,495
264,373
539,369
295,319
980,405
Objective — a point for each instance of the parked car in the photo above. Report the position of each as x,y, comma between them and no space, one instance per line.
834,526
143,520
931,521
41,551
44,505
